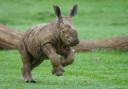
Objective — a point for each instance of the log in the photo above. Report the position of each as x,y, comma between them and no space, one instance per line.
9,39
118,43
86,45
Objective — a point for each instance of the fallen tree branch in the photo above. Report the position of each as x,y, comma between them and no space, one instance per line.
9,39
119,43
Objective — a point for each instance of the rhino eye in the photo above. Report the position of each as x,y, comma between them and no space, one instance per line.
64,31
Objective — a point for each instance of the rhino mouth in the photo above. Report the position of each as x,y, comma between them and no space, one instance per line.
65,49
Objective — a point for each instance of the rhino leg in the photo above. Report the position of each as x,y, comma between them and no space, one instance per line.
26,69
67,59
50,52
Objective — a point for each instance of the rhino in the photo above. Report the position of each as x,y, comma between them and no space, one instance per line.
53,41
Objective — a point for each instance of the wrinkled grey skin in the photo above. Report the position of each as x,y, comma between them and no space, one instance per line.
49,41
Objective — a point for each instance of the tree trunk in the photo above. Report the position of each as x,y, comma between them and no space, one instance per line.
119,43
9,39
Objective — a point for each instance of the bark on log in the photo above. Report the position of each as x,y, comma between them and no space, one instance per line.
9,39
119,43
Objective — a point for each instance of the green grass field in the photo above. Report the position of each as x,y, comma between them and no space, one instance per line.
96,19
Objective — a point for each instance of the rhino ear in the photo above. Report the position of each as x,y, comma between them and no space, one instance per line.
73,11
57,11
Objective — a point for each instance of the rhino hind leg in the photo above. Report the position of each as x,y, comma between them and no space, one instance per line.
26,69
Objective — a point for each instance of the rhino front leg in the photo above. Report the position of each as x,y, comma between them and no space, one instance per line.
50,52
67,58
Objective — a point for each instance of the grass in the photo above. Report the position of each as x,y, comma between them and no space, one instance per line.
92,70
96,19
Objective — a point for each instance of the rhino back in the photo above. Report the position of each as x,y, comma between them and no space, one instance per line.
36,37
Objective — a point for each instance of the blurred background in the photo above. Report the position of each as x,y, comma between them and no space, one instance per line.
96,19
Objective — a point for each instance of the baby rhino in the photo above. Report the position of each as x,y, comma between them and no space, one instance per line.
53,40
